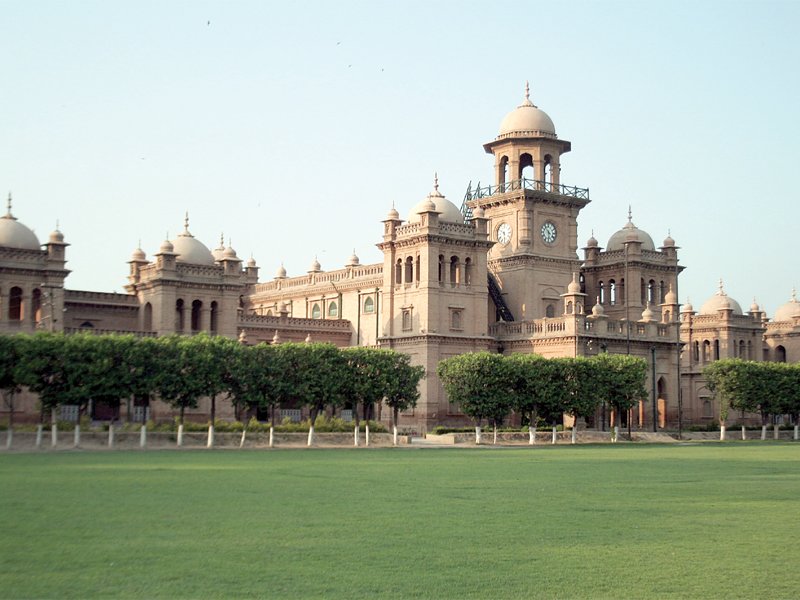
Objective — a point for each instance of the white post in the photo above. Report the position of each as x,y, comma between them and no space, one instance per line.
776,432
615,434
77,436
143,437
310,436
478,434
366,433
54,435
574,435
355,435
110,435
531,436
271,436
763,432
796,432
180,434
494,439
210,441
394,435
241,442
555,434
39,429
9,438
744,433
722,433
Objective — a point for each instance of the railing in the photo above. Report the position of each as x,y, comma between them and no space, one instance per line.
520,184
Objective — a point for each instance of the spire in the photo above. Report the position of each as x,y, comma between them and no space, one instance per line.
630,214
527,91
186,232
721,291
794,295
8,210
436,181
222,240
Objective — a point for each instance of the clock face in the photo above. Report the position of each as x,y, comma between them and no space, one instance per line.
549,232
504,233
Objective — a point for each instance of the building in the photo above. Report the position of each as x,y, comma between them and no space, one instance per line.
500,273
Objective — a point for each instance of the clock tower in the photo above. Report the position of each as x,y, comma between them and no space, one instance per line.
531,215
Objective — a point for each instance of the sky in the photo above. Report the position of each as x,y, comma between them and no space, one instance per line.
292,128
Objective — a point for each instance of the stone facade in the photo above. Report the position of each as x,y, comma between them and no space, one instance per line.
499,273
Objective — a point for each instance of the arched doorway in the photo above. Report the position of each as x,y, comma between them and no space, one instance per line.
662,402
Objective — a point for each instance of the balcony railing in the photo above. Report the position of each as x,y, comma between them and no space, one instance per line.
520,184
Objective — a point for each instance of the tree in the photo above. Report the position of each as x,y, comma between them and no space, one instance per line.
479,383
402,387
581,398
9,377
620,382
43,361
366,380
537,386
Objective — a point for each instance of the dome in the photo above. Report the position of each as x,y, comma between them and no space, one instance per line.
315,266
166,247
630,233
597,309
671,297
229,253
574,287
219,250
251,262
591,242
353,260
720,301
788,311
688,308
668,241
647,314
437,202
280,273
56,237
14,234
191,250
754,307
138,255
478,213
527,120
393,215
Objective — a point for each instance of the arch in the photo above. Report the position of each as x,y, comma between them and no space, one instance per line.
742,349
716,349
87,325
661,388
643,291
214,325
455,271
15,304
316,312
333,309
548,169
601,292
550,311
749,350
398,272
409,278
696,351
369,305
197,309
706,351
502,171
569,307
667,316
269,312
780,354
417,264
147,321
651,291
526,167
455,319
180,319
612,291
441,268
662,292
468,271
36,305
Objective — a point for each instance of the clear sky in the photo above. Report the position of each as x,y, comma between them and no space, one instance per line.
293,127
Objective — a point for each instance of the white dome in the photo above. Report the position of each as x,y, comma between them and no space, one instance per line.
251,262
229,253
218,252
56,237
788,311
527,120
166,247
191,250
14,234
315,266
671,297
630,233
138,255
281,272
393,215
353,260
597,309
447,210
720,301
574,287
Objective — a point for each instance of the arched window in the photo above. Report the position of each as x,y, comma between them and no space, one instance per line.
526,167
612,291
643,291
214,317
503,171
548,169
716,349
601,292
87,325
621,291
696,352
780,354
179,318
36,305
417,269
441,268
398,272
15,304
455,319
651,291
148,317
749,350
455,274
333,309
468,271
369,305
550,311
197,308
662,293
316,313
409,269
569,307
706,351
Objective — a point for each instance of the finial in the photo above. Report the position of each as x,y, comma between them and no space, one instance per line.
630,214
221,240
436,181
669,232
58,225
527,91
721,291
8,212
140,239
794,295
230,243
186,222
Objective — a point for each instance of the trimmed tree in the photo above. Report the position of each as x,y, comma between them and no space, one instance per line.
620,382
402,387
537,388
9,378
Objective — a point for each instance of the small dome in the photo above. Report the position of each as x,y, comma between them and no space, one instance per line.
688,308
754,307
574,287
251,262
166,247
280,273
191,250
315,266
629,233
591,242
56,237
229,253
671,297
788,311
435,201
14,234
647,314
478,213
669,242
393,215
353,260
219,250
138,255
720,301
597,309
527,120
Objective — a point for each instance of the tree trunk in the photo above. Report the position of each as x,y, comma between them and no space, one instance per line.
763,432
776,432
722,432
143,437
244,433
477,434
77,435
574,434
183,410
9,438
395,414
180,434
357,425
213,408
531,436
210,440
39,429
366,433
111,434
744,433
53,428
271,436
310,436
494,439
555,434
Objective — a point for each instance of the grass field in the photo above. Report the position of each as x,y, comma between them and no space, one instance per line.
679,521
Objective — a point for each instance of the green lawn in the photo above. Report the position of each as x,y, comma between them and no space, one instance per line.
680,521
